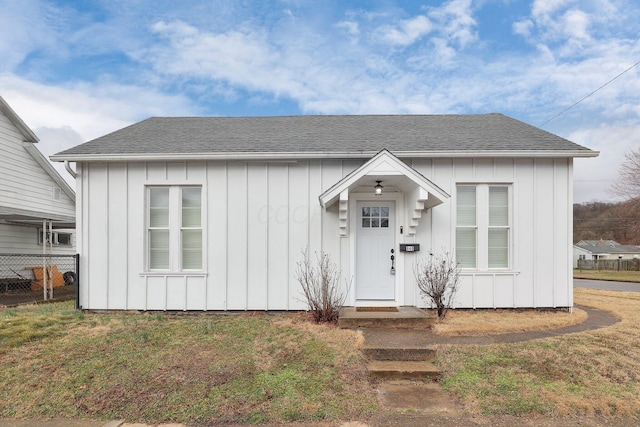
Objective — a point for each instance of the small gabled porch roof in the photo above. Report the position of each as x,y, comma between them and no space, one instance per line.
386,167
394,173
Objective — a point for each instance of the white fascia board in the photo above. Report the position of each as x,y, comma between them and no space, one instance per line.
27,133
163,157
49,169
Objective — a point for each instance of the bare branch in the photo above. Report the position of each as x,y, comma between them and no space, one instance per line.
627,185
438,277
321,287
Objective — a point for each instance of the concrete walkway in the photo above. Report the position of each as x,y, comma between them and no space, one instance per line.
409,338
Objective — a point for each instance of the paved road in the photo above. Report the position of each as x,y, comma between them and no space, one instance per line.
607,285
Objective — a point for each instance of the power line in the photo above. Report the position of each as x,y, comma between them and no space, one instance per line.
582,99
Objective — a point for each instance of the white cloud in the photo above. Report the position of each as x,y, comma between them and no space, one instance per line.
593,177
350,27
523,27
406,32
24,27
455,20
89,110
546,7
576,24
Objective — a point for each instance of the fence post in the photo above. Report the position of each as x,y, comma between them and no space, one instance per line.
77,257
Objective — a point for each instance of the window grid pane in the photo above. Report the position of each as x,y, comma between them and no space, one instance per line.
159,207
192,249
375,217
159,249
498,206
466,205
498,248
191,207
466,252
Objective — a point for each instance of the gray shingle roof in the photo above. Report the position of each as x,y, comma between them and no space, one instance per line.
607,247
325,134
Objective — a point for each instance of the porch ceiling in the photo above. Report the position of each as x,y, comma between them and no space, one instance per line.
34,219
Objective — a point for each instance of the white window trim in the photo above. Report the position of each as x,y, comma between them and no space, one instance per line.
482,223
175,231
55,238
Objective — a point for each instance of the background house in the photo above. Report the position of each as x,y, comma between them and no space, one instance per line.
603,250
33,195
213,213
37,218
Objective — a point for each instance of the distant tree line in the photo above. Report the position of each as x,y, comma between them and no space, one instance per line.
607,221
613,221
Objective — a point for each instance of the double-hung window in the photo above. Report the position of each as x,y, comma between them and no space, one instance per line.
174,219
483,226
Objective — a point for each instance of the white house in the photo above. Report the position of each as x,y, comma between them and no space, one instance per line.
597,250
33,196
213,213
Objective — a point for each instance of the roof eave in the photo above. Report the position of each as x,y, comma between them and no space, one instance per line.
27,133
319,155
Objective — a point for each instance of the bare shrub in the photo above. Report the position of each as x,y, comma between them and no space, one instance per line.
438,277
321,287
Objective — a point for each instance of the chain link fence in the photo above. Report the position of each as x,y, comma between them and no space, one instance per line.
26,278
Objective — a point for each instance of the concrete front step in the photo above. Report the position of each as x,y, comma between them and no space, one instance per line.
405,317
407,370
399,354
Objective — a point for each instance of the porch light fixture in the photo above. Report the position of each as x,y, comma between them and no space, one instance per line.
378,189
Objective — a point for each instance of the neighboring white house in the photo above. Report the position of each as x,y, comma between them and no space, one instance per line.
596,250
213,213
33,196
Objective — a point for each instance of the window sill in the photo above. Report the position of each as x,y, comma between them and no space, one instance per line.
505,271
174,273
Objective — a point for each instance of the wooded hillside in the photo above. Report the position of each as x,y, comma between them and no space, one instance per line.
608,221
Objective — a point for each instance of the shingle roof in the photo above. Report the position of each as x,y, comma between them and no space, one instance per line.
607,247
325,134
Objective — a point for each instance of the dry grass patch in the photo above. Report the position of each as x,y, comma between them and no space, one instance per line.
490,321
198,370
595,373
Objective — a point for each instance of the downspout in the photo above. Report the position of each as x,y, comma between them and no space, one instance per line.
67,166
44,259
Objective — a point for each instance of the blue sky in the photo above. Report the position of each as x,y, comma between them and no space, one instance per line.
75,70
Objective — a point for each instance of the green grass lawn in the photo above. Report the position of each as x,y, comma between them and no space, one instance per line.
194,369
204,369
620,276
595,373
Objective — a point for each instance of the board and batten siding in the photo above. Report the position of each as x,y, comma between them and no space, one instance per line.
24,185
541,232
258,217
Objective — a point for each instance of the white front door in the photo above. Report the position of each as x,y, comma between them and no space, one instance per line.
375,244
